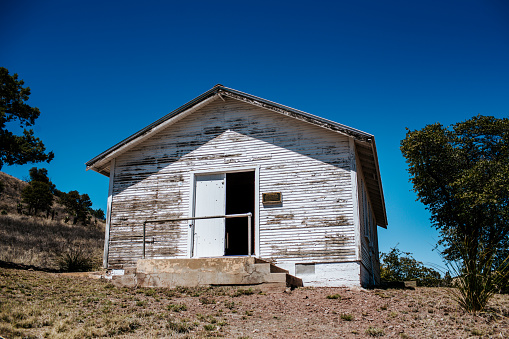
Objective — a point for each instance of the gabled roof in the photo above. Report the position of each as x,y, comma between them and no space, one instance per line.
365,142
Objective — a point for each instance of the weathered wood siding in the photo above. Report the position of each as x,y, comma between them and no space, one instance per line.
308,164
368,236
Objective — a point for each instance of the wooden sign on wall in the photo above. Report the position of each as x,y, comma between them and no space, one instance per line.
271,198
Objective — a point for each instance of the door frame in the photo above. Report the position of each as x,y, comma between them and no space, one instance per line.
219,170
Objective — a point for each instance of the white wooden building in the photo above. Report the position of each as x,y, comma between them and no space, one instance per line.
312,185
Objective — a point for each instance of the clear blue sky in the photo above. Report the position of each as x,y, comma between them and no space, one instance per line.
101,70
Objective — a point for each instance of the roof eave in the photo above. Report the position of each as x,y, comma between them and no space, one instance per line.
368,158
295,113
383,222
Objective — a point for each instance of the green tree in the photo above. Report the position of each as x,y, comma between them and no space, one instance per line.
98,213
401,266
37,195
18,149
461,174
41,175
77,205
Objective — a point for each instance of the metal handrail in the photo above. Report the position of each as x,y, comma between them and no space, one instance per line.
226,216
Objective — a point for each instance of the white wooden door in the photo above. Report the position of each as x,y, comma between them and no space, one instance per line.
209,201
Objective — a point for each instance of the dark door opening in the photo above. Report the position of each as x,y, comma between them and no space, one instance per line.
240,198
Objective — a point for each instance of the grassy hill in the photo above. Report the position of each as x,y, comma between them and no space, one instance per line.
11,193
41,242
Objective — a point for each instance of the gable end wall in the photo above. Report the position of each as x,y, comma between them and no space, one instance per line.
310,166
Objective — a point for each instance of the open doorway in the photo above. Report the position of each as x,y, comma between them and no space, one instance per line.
240,198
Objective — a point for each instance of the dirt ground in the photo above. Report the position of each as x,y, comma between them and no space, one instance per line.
356,313
50,305
420,313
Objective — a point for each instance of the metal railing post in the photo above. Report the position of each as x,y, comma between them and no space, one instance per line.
249,234
248,215
144,227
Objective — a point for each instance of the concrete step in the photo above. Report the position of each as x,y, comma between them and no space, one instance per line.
169,273
273,268
293,281
276,277
276,269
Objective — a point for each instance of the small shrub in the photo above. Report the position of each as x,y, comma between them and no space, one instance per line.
207,301
117,326
171,293
75,259
191,291
182,327
477,281
177,307
334,296
229,304
242,291
209,327
347,317
150,292
375,332
476,332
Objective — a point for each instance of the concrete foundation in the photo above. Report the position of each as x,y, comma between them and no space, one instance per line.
170,273
326,274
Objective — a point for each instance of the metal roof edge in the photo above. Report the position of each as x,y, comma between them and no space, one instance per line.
351,130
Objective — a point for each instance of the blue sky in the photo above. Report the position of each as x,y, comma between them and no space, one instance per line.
101,70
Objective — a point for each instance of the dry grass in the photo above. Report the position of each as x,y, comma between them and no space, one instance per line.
42,242
10,196
49,305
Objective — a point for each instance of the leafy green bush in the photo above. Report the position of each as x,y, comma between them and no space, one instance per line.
401,266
